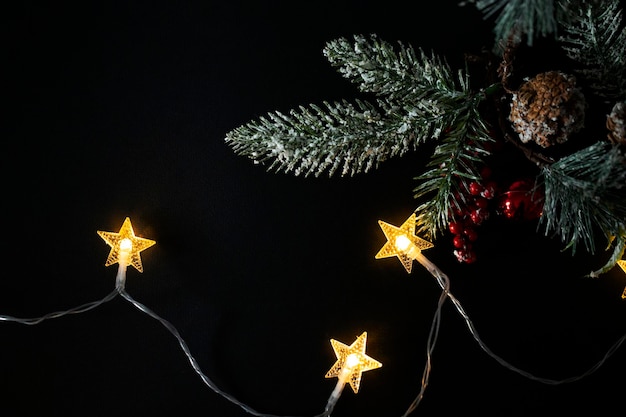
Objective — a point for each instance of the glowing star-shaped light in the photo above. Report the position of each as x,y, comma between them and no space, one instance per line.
622,264
402,242
351,362
125,246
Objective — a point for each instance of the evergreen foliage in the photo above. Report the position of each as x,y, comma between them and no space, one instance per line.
458,155
416,97
585,191
532,18
314,139
595,38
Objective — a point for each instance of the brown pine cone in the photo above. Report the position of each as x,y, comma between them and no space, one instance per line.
616,123
548,109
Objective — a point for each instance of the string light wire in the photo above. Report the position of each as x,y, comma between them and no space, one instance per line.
194,364
433,333
442,280
79,309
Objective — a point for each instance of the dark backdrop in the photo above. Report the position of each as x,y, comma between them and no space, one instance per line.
119,109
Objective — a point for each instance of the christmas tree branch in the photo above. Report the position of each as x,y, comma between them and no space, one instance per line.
417,100
459,154
596,38
312,140
584,194
532,18
402,77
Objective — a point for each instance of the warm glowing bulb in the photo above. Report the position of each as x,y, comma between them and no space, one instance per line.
402,242
125,245
351,361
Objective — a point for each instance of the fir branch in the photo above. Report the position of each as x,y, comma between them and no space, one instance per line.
595,37
455,162
403,76
584,194
532,18
313,139
418,98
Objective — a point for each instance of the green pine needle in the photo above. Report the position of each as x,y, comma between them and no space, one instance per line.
417,99
311,140
585,194
595,38
455,162
532,18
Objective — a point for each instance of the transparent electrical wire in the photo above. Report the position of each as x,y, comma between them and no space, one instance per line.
444,282
79,309
433,334
441,278
144,309
526,374
194,364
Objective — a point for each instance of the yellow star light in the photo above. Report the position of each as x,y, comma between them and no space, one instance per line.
125,246
351,361
402,242
622,264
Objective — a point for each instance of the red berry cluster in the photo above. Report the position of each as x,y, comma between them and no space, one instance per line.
477,196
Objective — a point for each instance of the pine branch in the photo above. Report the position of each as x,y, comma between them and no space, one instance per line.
532,18
584,194
312,140
417,100
403,77
455,162
595,37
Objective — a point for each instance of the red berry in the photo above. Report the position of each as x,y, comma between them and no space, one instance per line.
456,228
458,241
470,234
479,215
475,188
465,255
470,257
522,201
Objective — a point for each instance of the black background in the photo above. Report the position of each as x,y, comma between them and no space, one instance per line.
121,109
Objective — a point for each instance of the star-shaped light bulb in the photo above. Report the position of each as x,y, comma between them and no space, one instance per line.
402,242
622,264
125,248
351,362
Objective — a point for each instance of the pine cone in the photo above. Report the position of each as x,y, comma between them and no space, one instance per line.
616,123
548,109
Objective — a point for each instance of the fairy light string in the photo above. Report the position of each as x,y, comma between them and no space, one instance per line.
350,365
125,250
404,244
351,359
